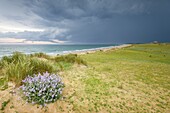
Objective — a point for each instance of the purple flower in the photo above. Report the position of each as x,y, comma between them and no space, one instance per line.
43,88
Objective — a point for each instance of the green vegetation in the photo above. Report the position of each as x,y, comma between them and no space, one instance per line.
133,79
40,55
71,58
18,66
4,104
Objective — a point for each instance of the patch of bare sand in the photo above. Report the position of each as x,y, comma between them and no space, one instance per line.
17,104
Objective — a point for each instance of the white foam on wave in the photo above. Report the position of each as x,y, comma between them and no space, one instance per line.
72,51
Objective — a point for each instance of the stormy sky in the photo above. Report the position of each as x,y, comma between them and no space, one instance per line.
84,21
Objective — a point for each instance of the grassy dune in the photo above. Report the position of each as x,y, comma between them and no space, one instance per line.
132,79
18,66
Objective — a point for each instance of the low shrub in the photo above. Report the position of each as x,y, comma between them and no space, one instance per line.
4,104
5,59
17,66
16,72
40,55
17,56
41,89
70,58
41,66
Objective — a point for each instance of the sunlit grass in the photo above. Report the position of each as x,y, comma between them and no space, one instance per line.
18,66
134,79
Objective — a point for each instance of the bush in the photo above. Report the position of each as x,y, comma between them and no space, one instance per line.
41,66
6,59
16,72
41,55
70,58
16,57
41,89
17,66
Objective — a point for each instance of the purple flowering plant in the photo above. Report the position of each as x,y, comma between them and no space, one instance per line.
41,89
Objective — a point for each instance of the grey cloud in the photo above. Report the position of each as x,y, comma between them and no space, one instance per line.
56,10
93,21
121,30
47,35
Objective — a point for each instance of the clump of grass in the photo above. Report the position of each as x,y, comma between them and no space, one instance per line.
40,55
17,56
4,60
3,84
17,71
41,66
4,104
70,58
17,66
11,107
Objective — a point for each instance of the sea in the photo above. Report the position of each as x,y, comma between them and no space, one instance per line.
7,49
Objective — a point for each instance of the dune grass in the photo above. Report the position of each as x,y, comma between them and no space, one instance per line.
18,66
134,79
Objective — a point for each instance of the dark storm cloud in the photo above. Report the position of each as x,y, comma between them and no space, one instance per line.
57,10
94,21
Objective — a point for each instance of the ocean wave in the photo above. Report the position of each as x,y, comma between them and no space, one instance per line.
55,52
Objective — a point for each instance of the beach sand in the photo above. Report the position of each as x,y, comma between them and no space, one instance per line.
104,49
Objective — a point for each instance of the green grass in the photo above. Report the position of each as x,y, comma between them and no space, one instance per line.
133,79
18,66
40,55
4,104
71,58
136,60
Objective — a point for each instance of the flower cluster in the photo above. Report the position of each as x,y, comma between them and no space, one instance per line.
41,89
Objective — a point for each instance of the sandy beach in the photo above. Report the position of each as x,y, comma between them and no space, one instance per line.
88,51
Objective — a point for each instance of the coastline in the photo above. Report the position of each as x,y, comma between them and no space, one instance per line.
93,50
79,52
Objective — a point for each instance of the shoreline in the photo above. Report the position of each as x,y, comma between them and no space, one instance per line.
93,50
83,51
